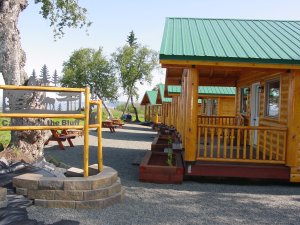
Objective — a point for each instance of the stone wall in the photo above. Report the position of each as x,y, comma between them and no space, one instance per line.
3,201
97,191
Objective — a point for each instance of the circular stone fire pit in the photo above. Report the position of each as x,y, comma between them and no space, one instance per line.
97,191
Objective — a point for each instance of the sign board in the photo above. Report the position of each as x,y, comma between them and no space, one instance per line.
43,102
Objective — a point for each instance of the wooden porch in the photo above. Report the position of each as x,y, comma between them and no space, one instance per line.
225,147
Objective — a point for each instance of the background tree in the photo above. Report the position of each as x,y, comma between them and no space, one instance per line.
44,76
55,78
134,63
61,14
34,74
88,67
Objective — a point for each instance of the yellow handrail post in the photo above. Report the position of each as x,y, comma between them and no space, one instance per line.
86,134
100,156
156,116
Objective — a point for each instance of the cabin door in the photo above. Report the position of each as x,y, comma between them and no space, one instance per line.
255,109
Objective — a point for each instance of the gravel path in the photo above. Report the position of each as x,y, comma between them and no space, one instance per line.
193,202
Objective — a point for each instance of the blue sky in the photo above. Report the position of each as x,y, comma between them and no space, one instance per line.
114,19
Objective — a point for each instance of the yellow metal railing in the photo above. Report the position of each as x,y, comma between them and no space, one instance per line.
241,144
84,116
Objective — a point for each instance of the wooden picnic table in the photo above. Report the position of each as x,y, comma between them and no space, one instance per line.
109,124
118,122
61,137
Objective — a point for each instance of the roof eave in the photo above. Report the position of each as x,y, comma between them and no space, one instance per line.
228,61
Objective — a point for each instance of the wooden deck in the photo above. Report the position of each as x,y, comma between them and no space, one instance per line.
240,170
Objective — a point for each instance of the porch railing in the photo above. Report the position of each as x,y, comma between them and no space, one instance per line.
220,120
241,144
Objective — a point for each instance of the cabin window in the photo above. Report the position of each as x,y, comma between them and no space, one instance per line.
272,98
209,107
244,99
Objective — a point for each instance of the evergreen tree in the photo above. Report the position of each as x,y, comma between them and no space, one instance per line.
55,78
45,77
134,64
59,107
131,39
34,74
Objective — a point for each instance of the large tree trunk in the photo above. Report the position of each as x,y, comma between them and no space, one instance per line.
12,57
25,145
135,110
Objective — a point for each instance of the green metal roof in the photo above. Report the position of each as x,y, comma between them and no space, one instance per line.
206,90
214,90
231,40
152,95
161,88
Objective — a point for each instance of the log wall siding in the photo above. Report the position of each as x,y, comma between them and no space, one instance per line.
248,80
281,121
226,106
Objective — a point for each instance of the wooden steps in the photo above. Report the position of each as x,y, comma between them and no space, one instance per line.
240,170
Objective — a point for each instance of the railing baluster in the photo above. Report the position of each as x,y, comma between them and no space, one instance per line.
205,142
265,144
245,144
257,145
251,136
225,143
271,146
238,143
231,143
284,146
199,141
277,146
212,142
219,141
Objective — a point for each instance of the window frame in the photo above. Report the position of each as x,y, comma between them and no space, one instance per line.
266,92
242,99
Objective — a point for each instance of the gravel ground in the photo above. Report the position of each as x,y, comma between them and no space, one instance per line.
193,202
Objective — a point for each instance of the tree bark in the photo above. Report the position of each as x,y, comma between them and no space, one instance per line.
135,110
126,105
12,57
25,145
105,106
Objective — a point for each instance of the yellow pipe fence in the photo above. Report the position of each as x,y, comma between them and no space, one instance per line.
84,116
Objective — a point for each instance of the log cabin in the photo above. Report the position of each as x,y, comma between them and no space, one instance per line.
165,103
152,111
261,58
213,101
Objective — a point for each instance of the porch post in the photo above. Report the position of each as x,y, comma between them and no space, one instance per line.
175,112
178,113
145,113
156,114
293,137
149,112
172,112
183,90
191,114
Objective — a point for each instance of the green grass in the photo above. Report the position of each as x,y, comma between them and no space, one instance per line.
117,114
5,135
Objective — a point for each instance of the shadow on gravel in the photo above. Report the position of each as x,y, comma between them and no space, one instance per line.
140,128
123,135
